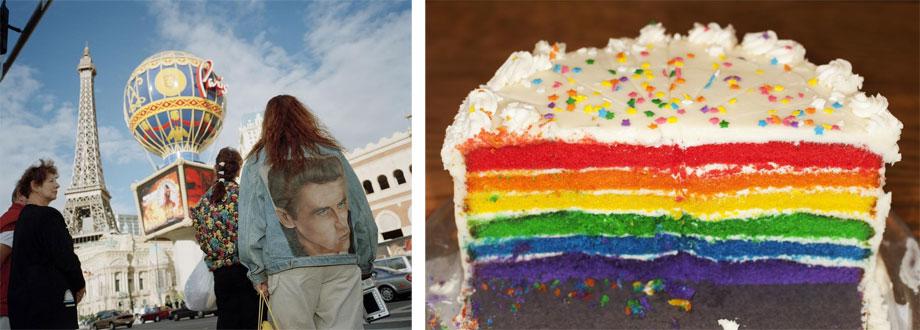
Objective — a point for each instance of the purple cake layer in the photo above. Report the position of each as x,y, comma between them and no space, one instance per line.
679,267
805,306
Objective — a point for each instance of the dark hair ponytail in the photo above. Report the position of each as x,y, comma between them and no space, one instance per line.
227,167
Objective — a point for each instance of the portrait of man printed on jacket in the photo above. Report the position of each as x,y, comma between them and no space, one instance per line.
312,206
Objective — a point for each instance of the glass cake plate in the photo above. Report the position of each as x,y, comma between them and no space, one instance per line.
445,274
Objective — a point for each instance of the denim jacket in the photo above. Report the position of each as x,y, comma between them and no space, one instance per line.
263,246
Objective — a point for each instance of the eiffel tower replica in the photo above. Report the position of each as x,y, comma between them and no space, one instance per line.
87,196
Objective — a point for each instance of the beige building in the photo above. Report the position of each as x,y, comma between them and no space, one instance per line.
122,272
250,131
385,170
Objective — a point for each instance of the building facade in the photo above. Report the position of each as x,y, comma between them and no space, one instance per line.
122,272
128,224
250,131
385,170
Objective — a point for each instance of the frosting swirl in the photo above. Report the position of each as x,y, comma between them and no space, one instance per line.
713,35
652,34
759,43
787,52
867,106
839,77
617,45
518,66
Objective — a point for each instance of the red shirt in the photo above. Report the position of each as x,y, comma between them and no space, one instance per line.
7,223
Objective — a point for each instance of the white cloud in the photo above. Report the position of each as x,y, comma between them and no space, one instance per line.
356,76
117,146
34,126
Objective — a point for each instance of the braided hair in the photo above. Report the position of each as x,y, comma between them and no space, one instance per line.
227,167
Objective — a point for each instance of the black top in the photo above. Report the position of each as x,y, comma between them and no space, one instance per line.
43,267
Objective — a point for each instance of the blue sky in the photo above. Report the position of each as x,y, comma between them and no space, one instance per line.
350,62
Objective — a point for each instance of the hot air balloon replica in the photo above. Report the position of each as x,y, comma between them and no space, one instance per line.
174,105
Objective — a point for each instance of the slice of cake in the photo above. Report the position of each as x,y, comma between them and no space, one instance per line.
671,180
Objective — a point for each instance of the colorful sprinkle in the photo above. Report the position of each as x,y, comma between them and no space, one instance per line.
715,120
589,61
774,61
709,83
576,69
625,122
649,114
604,300
762,123
681,304
837,105
723,124
819,130
537,81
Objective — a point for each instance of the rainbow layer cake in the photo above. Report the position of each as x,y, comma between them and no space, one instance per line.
671,180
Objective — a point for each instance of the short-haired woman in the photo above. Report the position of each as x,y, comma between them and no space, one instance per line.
215,220
46,281
307,234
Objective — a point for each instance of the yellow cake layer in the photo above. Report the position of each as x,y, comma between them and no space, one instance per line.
709,208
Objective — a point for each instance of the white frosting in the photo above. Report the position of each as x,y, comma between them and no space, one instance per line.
787,52
518,66
838,116
868,106
518,117
617,45
475,115
759,43
880,121
839,77
652,34
728,324
714,37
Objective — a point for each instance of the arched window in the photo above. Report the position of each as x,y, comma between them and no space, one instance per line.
400,179
368,187
382,180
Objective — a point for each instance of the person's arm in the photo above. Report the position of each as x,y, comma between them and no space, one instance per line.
6,245
365,230
5,252
252,222
60,244
198,215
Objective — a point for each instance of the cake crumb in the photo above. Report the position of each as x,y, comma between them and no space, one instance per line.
728,324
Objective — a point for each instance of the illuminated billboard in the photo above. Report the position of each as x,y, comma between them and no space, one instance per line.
164,198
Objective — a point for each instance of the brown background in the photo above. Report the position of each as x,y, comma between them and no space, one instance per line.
467,42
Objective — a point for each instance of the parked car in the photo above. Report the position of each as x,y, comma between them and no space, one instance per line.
392,282
183,312
155,314
111,319
398,263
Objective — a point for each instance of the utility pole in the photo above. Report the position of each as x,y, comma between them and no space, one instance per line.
24,32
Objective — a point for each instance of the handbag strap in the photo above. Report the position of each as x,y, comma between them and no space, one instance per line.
261,303
264,300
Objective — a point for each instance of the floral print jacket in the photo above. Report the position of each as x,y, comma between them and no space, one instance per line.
216,227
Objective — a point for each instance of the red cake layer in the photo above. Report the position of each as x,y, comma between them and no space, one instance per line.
560,155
